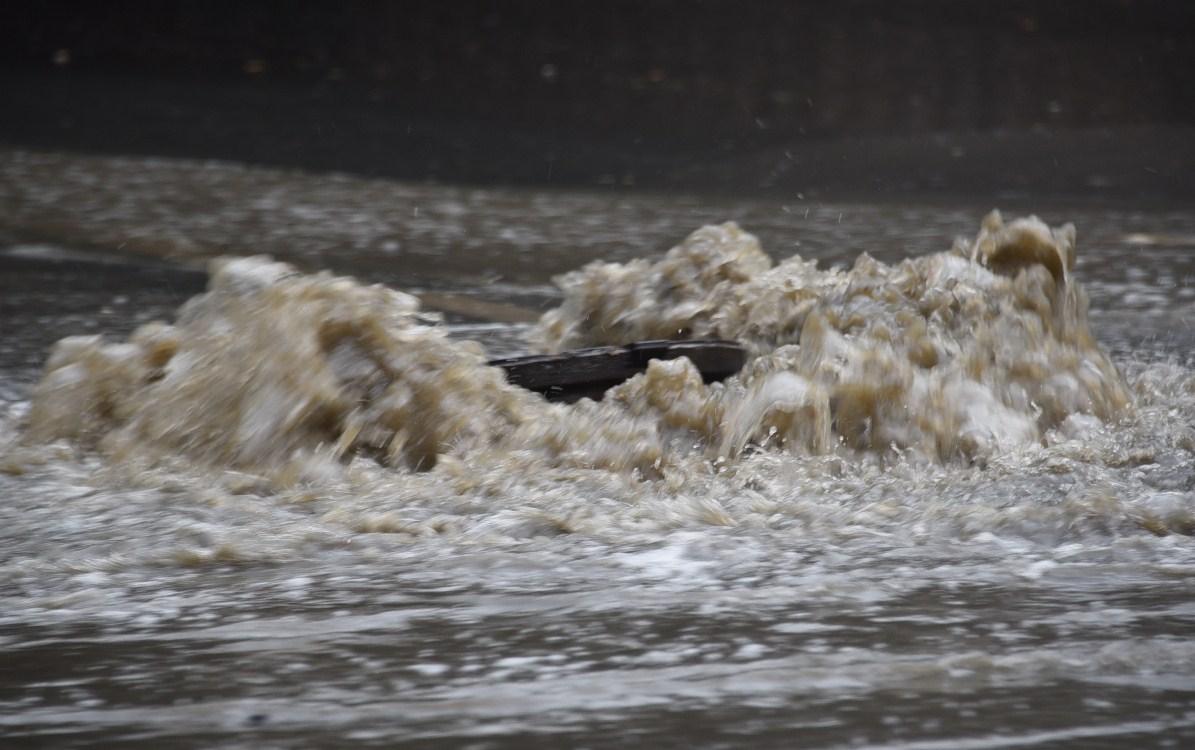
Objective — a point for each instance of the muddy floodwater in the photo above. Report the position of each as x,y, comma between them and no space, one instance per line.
264,502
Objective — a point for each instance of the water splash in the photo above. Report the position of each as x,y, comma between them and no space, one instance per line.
955,356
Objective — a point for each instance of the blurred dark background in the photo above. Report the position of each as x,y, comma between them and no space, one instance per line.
1074,98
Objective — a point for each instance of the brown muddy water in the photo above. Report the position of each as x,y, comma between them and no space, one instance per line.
949,504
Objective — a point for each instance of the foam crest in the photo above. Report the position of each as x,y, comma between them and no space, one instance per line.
954,356
273,370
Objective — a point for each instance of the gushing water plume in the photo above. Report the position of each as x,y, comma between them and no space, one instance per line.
951,356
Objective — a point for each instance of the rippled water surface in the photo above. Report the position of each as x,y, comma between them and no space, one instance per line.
1044,596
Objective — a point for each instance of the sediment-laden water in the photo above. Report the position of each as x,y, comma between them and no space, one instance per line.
947,503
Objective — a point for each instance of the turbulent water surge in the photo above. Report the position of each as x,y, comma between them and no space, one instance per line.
956,356
294,509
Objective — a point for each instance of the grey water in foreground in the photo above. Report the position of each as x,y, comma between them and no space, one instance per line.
1044,599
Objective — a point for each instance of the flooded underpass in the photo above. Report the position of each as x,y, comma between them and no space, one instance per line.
995,552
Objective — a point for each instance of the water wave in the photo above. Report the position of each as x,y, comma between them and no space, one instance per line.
952,357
